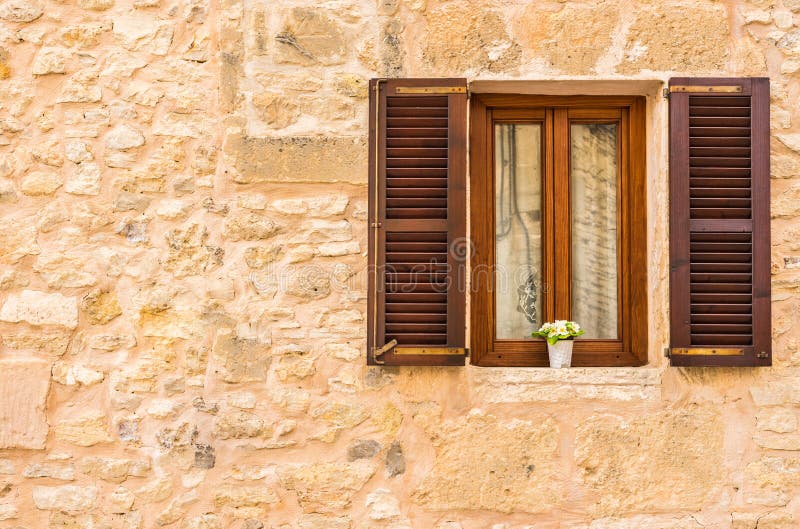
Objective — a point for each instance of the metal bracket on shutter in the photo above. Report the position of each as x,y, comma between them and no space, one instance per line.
708,351
454,351
392,347
430,90
706,89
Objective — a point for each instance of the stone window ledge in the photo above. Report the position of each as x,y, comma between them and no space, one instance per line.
526,384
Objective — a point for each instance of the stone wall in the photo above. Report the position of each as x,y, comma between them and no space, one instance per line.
182,289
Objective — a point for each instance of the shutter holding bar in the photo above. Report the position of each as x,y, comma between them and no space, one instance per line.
376,224
378,352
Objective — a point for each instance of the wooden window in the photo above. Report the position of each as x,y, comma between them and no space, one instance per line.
558,225
719,222
417,214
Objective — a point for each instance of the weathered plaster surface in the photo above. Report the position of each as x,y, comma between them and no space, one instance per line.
182,279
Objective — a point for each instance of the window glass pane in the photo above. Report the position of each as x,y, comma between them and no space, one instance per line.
593,186
518,232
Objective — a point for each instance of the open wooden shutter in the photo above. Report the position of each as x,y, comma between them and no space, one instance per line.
417,214
719,222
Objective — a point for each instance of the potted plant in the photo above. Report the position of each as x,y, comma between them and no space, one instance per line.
559,335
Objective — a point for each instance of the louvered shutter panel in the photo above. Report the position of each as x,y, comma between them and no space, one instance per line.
719,222
417,212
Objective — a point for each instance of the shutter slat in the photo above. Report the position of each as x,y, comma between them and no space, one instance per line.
741,287
722,318
406,152
716,121
417,132
720,150
700,182
712,132
720,141
416,102
721,309
718,161
719,172
426,122
393,174
416,246
408,112
416,163
725,328
721,278
714,192
440,143
435,328
415,317
416,192
417,210
720,111
719,196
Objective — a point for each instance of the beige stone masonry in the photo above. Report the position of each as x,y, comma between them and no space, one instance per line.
183,239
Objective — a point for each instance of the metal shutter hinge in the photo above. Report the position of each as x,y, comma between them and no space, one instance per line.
375,224
665,91
762,354
666,352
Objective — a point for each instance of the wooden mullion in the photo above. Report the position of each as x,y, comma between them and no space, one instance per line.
548,219
562,250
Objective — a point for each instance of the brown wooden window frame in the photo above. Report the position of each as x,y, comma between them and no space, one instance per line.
556,113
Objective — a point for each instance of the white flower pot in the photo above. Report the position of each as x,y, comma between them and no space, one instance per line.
560,354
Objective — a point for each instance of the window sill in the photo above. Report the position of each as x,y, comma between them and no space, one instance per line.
531,384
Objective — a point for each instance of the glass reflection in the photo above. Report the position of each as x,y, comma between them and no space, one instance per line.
518,232
593,189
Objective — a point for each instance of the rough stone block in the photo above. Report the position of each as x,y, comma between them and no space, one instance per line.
41,308
70,499
584,34
678,37
326,487
84,429
666,460
24,385
461,39
298,159
771,481
483,462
